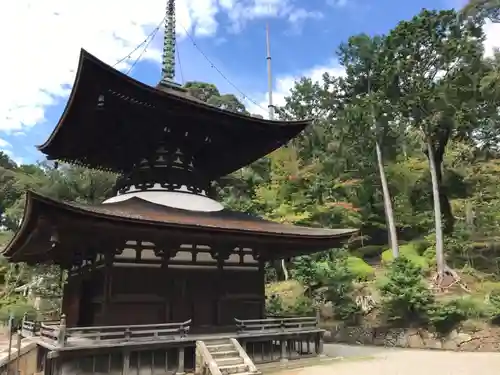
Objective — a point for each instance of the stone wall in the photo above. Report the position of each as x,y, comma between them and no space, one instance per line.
484,339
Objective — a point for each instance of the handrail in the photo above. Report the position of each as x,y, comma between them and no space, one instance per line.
246,359
204,359
273,324
61,335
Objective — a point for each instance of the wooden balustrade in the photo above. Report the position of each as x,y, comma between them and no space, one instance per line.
276,324
57,333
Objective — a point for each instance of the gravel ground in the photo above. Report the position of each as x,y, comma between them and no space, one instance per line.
404,362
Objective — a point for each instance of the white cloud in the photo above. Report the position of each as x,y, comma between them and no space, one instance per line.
4,144
242,11
41,40
284,84
492,31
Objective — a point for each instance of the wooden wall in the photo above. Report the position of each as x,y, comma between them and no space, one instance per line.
150,295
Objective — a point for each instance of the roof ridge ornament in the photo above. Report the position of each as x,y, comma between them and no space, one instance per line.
169,41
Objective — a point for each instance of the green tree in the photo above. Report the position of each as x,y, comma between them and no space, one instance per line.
369,84
406,299
435,54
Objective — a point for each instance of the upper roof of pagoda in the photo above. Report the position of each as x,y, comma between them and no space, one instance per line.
112,121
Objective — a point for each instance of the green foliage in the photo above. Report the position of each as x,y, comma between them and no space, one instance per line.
340,288
368,252
360,270
274,305
406,298
448,315
409,251
16,307
303,306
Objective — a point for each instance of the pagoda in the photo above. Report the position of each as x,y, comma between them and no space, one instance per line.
162,252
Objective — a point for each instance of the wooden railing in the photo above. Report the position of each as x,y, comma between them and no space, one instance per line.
58,334
205,363
243,355
276,324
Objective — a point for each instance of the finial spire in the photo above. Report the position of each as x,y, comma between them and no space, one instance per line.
168,68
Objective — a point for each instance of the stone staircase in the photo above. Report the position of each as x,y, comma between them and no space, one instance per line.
223,357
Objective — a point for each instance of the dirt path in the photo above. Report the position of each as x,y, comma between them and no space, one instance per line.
411,362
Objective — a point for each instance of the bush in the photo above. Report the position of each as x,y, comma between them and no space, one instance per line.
420,245
370,251
17,309
303,306
274,305
361,270
494,299
339,292
447,316
406,299
408,251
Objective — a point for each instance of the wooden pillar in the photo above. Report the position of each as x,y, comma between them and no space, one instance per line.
283,356
107,284
220,286
167,312
180,367
262,274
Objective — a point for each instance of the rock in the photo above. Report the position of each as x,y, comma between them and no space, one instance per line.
461,338
415,341
450,345
396,337
326,311
328,336
433,344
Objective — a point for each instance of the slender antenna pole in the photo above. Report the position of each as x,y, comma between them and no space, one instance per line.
270,106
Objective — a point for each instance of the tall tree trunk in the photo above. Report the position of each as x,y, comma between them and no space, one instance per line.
283,267
393,236
440,262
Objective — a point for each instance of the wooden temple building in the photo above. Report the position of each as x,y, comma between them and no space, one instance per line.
161,271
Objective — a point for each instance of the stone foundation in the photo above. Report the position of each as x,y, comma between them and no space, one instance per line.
485,340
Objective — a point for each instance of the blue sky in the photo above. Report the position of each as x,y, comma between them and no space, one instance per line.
37,75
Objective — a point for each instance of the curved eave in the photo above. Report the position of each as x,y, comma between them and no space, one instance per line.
88,59
37,205
26,229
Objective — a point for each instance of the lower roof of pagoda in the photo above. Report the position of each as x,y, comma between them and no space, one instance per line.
45,219
112,121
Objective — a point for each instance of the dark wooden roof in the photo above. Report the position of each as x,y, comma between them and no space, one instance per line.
111,121
136,214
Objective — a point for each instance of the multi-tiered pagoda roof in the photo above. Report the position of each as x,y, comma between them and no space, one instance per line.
168,149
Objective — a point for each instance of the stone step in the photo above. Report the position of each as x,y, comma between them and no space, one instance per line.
217,342
220,347
229,361
233,369
227,353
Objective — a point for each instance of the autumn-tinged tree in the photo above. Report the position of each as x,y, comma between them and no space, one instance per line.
369,85
436,55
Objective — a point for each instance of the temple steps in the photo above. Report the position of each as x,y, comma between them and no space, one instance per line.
229,357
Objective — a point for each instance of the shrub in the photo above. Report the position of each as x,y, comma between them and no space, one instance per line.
430,255
446,316
274,305
17,309
494,299
370,251
303,306
339,292
420,245
406,299
361,270
408,251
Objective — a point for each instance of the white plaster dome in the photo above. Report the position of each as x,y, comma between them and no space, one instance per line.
181,198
